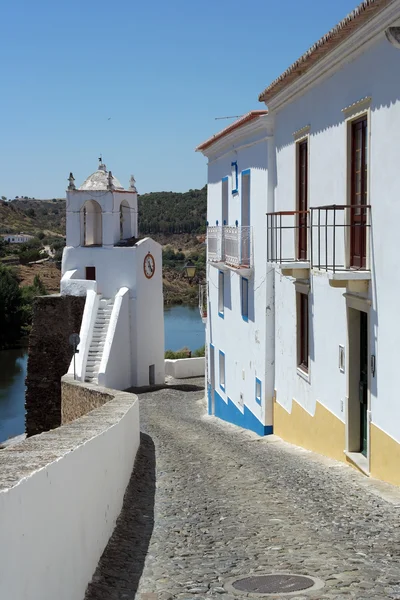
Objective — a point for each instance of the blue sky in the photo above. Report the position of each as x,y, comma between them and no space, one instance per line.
140,81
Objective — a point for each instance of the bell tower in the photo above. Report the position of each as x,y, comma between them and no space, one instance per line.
122,332
101,213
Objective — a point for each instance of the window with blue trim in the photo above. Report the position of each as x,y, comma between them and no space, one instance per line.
222,370
245,298
225,202
258,391
221,299
235,178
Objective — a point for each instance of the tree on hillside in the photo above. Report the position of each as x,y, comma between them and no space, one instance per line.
11,317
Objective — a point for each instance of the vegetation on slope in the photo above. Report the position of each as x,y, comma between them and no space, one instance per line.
173,212
16,306
31,216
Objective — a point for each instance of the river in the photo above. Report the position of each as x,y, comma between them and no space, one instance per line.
183,327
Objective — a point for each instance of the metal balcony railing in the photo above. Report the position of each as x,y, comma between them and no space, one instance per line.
231,245
340,237
203,302
214,244
287,236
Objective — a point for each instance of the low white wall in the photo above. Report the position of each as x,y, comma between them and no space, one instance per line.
115,365
60,495
181,368
70,285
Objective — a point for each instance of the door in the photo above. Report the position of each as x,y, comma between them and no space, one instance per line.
358,196
211,408
363,382
91,273
302,199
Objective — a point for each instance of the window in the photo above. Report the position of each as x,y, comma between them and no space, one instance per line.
359,192
302,332
221,285
225,202
235,179
245,298
302,198
258,391
222,370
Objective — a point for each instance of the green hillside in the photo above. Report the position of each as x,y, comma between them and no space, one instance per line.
173,212
159,212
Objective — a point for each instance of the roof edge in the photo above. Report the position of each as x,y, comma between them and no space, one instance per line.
247,118
338,34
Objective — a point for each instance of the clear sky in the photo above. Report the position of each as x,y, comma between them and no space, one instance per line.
139,80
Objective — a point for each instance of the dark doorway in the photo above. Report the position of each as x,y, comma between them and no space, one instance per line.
91,273
358,197
363,383
152,374
302,199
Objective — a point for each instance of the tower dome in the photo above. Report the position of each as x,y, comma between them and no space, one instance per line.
100,180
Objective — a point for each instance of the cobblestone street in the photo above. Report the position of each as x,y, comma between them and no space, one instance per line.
209,501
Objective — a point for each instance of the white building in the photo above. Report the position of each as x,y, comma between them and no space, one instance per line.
16,238
330,236
122,332
239,331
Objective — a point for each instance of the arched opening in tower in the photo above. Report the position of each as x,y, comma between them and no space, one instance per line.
125,221
91,224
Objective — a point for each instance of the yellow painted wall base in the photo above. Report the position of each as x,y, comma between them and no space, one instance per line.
323,433
385,456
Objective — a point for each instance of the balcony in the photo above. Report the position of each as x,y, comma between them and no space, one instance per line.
231,248
340,244
287,242
203,301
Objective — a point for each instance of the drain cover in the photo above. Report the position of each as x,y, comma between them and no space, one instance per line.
276,583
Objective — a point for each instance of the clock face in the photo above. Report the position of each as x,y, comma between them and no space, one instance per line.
149,266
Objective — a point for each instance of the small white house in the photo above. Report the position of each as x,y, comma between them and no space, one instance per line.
16,238
122,332
239,330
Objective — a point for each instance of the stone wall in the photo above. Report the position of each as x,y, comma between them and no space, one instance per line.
78,399
54,319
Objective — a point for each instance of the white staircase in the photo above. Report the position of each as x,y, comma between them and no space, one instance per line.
98,338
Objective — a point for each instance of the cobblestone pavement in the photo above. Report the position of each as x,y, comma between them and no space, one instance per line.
208,501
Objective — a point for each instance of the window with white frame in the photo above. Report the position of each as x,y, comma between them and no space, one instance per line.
221,286
235,178
302,332
258,391
222,370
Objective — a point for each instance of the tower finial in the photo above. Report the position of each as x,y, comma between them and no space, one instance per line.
132,185
110,181
71,185
102,166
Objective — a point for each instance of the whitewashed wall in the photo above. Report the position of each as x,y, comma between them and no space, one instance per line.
60,510
375,73
147,318
244,343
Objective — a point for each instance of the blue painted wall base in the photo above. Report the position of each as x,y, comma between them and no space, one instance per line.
229,412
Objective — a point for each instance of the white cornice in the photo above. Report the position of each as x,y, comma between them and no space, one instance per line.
238,138
352,47
214,158
301,133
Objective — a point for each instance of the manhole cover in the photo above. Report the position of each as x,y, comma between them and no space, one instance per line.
275,583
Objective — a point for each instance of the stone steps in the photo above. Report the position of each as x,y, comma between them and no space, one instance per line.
99,334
